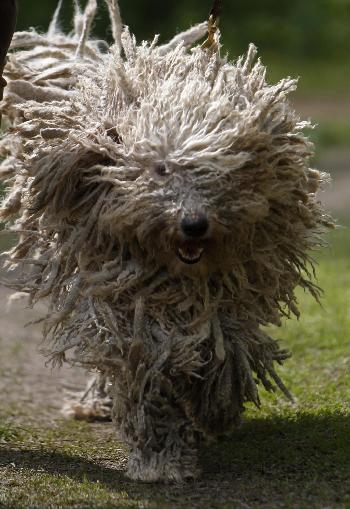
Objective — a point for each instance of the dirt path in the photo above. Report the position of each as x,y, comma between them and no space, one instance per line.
336,195
25,381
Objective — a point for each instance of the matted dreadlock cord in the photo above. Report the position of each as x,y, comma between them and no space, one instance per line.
89,16
116,21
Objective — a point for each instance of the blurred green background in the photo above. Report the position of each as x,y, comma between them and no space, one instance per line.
293,37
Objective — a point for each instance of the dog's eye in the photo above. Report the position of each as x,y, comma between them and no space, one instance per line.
161,170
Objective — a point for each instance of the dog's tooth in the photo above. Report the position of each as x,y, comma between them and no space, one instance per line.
193,256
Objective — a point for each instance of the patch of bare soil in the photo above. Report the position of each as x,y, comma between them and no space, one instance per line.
26,384
328,108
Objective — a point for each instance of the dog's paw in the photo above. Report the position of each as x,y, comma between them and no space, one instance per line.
161,467
90,410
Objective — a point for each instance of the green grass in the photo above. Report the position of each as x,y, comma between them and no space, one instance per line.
284,455
7,432
320,339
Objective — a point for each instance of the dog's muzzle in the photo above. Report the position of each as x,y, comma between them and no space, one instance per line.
194,227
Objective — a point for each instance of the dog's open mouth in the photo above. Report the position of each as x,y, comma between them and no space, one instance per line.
190,252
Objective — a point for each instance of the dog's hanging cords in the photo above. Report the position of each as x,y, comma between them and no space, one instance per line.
213,25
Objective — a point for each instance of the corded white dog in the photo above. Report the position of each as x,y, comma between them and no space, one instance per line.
166,208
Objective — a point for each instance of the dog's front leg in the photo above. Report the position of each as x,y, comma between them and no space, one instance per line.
151,421
94,404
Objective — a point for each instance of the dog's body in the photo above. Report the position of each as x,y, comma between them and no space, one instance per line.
166,208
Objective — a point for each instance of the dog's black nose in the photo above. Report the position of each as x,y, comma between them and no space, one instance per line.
195,225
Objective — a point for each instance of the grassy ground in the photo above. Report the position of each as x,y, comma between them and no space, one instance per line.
285,455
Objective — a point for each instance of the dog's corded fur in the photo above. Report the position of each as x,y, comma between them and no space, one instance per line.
108,149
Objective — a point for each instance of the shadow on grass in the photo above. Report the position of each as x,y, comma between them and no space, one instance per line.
303,456
61,463
304,445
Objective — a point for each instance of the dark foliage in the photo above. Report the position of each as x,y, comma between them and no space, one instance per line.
316,29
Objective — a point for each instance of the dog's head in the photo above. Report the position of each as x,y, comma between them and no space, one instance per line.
183,161
173,216
207,157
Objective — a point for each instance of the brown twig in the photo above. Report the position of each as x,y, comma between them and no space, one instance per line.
216,10
213,25
8,17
